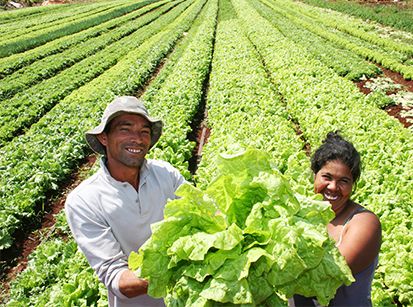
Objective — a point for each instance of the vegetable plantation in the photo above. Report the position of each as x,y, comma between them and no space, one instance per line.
272,75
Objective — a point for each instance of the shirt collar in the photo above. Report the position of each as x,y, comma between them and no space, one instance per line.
144,172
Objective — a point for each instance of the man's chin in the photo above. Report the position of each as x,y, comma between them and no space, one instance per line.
135,163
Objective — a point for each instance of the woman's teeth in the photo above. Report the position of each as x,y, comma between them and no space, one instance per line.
328,196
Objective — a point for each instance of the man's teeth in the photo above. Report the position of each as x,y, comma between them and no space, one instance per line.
134,150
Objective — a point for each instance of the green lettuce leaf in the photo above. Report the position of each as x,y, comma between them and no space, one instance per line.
246,239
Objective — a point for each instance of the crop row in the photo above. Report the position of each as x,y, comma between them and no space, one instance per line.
34,163
244,108
53,64
61,283
35,24
31,40
297,16
342,61
16,61
28,106
352,27
11,16
386,59
178,102
295,13
320,102
57,274
245,111
393,16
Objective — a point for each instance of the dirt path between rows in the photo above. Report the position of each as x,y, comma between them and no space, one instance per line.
392,110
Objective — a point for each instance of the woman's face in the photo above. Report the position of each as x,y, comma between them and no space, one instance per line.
335,182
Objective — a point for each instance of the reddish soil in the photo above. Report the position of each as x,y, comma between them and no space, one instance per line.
398,78
396,3
50,2
393,110
200,134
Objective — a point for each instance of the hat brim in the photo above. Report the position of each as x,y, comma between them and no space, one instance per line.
96,145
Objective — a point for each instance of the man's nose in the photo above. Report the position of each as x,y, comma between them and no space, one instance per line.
137,136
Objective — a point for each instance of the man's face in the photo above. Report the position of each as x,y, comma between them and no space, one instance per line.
127,141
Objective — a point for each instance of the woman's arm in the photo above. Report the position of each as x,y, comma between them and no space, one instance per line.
361,241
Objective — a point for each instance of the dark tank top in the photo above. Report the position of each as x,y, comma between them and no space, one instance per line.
356,294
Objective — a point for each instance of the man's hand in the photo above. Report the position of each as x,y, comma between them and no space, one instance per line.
131,286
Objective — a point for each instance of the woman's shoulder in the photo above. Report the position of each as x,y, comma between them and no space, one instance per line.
361,213
363,218
362,240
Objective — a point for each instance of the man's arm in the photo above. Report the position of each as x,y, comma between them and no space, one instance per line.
130,285
97,242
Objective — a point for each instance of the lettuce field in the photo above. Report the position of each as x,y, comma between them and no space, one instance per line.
224,75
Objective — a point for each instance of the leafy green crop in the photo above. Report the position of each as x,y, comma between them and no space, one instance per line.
246,239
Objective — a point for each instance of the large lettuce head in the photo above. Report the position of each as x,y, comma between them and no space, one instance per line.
246,239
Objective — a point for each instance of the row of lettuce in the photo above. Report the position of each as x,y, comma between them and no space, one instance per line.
83,64
342,61
40,22
53,64
103,12
392,55
397,16
16,61
261,78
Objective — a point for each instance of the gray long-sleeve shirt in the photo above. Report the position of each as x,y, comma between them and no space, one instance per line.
109,219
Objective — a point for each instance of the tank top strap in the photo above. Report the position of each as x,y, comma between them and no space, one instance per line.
358,210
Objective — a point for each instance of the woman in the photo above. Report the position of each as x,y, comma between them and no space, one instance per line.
356,230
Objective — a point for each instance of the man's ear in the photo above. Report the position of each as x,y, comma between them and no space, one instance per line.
103,138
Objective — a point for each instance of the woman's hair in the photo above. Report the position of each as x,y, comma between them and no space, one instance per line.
334,147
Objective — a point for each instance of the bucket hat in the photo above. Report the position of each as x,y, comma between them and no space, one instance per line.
120,105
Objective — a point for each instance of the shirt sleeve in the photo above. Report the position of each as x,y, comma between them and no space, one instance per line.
176,175
179,179
96,240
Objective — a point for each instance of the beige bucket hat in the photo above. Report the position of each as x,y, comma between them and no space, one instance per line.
122,104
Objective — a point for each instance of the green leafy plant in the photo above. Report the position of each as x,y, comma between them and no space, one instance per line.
246,239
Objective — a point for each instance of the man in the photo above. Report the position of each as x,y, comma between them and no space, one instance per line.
110,213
